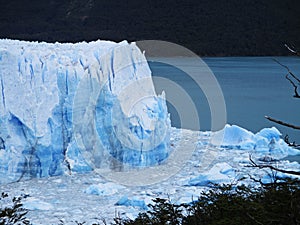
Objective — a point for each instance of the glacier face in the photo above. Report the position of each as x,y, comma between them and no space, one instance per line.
75,107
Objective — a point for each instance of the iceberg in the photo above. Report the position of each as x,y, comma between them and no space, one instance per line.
265,142
76,107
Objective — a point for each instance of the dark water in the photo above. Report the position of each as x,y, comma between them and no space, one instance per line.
252,86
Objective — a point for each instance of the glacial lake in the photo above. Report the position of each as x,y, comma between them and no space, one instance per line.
253,87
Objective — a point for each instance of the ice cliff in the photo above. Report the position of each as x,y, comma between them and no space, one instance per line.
75,107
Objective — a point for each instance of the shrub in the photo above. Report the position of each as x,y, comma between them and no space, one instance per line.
227,204
12,212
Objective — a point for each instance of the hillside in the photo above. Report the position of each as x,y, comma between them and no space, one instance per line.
210,28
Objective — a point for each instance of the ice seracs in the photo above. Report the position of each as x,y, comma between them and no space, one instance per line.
74,107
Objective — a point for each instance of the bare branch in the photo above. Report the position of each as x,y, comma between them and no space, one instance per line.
295,77
292,50
296,95
275,60
292,144
288,69
261,166
254,179
283,123
256,221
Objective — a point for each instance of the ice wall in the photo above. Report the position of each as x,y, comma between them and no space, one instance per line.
75,107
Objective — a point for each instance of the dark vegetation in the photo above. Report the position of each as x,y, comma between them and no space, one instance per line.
278,203
210,28
11,211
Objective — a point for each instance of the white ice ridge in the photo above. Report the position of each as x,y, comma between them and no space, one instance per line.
76,107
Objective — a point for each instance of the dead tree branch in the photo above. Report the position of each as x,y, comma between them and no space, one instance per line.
296,95
283,123
261,166
292,144
288,69
292,50
295,82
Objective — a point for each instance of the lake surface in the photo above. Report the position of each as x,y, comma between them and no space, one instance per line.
253,87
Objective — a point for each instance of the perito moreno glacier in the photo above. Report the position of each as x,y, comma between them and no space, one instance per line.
76,107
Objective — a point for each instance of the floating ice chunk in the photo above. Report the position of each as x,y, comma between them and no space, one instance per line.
233,136
219,173
269,134
268,141
32,203
269,177
226,169
206,180
135,202
104,189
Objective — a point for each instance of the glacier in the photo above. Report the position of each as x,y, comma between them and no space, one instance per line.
76,107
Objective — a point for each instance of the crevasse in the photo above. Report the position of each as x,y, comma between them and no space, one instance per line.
76,107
